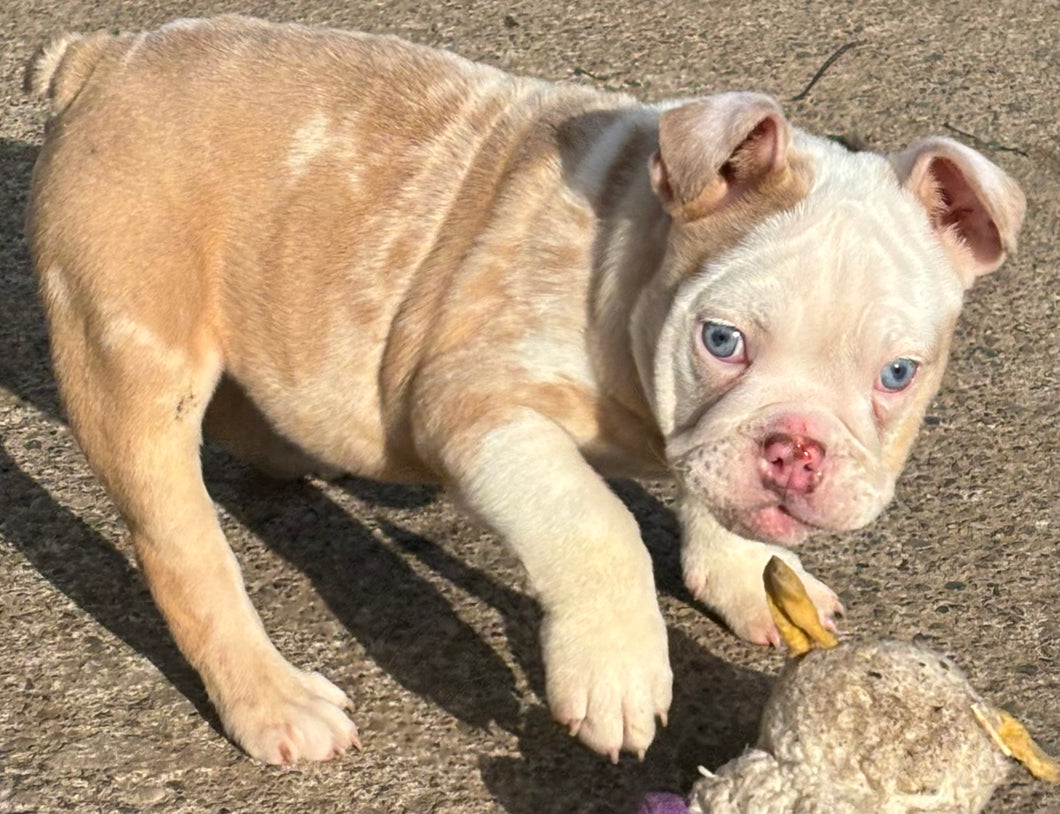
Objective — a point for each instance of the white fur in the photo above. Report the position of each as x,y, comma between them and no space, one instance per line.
310,140
608,659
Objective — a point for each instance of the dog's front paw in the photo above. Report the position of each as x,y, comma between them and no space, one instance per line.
282,715
608,677
733,589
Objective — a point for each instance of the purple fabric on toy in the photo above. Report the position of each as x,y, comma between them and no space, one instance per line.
662,802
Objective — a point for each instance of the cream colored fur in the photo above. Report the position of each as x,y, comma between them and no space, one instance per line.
349,253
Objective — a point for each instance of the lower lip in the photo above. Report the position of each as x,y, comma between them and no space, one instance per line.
777,524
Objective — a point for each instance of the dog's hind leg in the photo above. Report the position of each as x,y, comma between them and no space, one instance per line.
136,392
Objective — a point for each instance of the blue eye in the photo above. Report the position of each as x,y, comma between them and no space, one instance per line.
723,341
896,375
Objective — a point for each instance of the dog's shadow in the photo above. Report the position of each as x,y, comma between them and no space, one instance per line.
714,716
411,631
25,365
401,620
405,623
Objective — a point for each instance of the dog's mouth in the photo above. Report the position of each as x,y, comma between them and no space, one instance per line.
778,523
720,477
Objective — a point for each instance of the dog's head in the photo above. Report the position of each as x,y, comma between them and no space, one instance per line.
801,321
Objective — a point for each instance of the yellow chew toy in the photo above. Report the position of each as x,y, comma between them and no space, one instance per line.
793,612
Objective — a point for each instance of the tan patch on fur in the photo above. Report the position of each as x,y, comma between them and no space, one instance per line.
718,232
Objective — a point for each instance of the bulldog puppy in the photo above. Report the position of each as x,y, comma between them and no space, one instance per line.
351,253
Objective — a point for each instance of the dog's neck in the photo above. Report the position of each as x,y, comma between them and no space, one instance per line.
606,154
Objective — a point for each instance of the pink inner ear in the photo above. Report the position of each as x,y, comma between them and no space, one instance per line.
760,152
958,207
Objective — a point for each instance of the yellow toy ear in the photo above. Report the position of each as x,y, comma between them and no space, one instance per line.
793,611
1013,739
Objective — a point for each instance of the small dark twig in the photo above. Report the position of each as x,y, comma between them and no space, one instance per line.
828,63
985,145
583,72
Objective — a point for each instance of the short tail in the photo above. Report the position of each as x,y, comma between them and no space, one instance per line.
60,68
39,79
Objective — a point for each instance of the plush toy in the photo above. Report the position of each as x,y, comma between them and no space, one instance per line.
875,726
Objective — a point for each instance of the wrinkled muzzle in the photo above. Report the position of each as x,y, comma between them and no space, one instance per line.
781,473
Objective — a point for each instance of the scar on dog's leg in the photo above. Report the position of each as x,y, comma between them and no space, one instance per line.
136,408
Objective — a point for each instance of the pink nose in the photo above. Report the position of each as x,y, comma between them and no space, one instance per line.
792,463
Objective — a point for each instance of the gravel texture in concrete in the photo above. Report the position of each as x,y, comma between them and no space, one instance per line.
424,618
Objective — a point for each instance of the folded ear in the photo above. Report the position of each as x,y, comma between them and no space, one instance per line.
974,207
715,149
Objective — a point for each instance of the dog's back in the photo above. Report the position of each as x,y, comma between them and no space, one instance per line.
354,183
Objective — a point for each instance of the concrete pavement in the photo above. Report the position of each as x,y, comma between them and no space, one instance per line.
424,618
